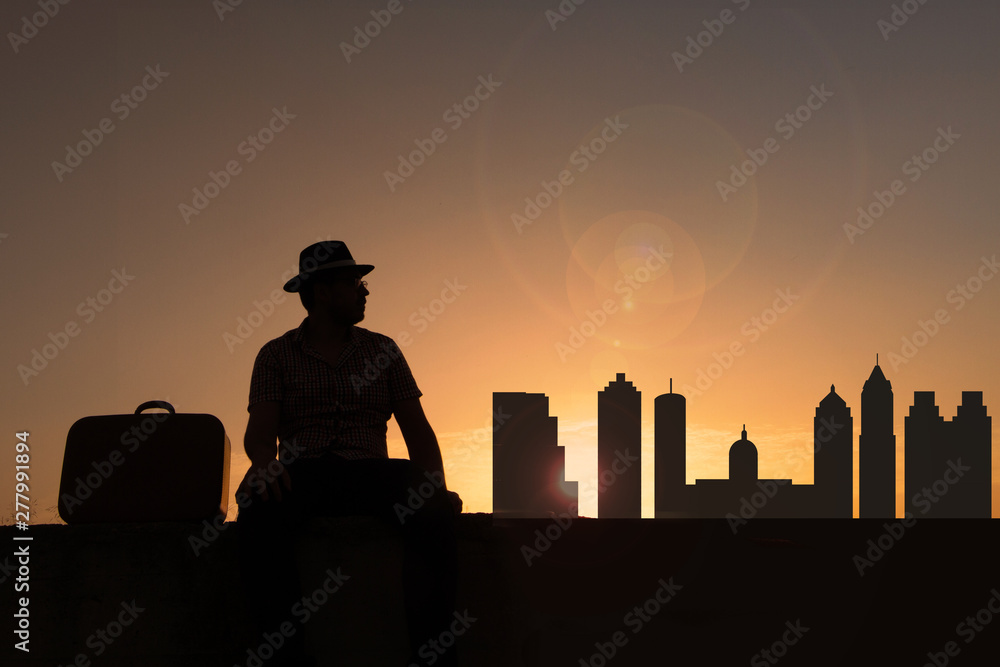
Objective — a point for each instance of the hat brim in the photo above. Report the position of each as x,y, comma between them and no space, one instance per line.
295,284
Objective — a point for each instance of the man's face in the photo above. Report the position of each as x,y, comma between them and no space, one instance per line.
342,296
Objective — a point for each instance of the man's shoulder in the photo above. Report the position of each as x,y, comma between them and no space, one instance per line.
282,343
380,358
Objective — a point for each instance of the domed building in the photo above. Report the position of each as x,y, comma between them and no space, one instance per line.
743,460
744,495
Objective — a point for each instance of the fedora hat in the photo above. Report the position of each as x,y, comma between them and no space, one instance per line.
324,256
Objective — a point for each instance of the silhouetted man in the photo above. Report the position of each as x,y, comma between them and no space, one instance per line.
320,399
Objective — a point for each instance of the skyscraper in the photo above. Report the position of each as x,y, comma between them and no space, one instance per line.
877,449
948,463
529,466
670,413
619,451
833,457
924,455
972,431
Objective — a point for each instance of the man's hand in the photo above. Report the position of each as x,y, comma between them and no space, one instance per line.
266,480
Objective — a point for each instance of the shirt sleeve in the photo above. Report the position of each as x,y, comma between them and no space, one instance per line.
400,378
265,381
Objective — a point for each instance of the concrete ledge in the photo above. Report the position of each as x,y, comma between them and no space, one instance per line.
542,593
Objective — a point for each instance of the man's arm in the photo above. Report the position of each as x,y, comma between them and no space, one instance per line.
421,443
266,472
261,440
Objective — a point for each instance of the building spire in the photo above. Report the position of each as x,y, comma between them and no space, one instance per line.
671,385
744,431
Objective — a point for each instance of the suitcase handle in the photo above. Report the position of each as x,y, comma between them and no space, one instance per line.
155,404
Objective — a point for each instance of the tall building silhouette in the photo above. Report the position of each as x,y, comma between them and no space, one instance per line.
619,451
948,466
877,449
670,413
529,466
833,457
972,430
924,455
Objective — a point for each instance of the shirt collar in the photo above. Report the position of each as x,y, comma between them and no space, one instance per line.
299,336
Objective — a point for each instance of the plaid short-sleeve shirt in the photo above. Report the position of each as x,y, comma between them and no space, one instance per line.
345,407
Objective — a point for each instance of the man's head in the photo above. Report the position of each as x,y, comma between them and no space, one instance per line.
338,294
329,282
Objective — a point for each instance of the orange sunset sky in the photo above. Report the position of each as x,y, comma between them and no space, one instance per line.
576,172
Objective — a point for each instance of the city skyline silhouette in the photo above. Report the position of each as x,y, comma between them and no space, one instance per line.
947,463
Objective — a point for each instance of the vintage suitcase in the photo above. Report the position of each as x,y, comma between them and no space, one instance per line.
154,466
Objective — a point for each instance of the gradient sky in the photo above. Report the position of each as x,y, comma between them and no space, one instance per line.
555,87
